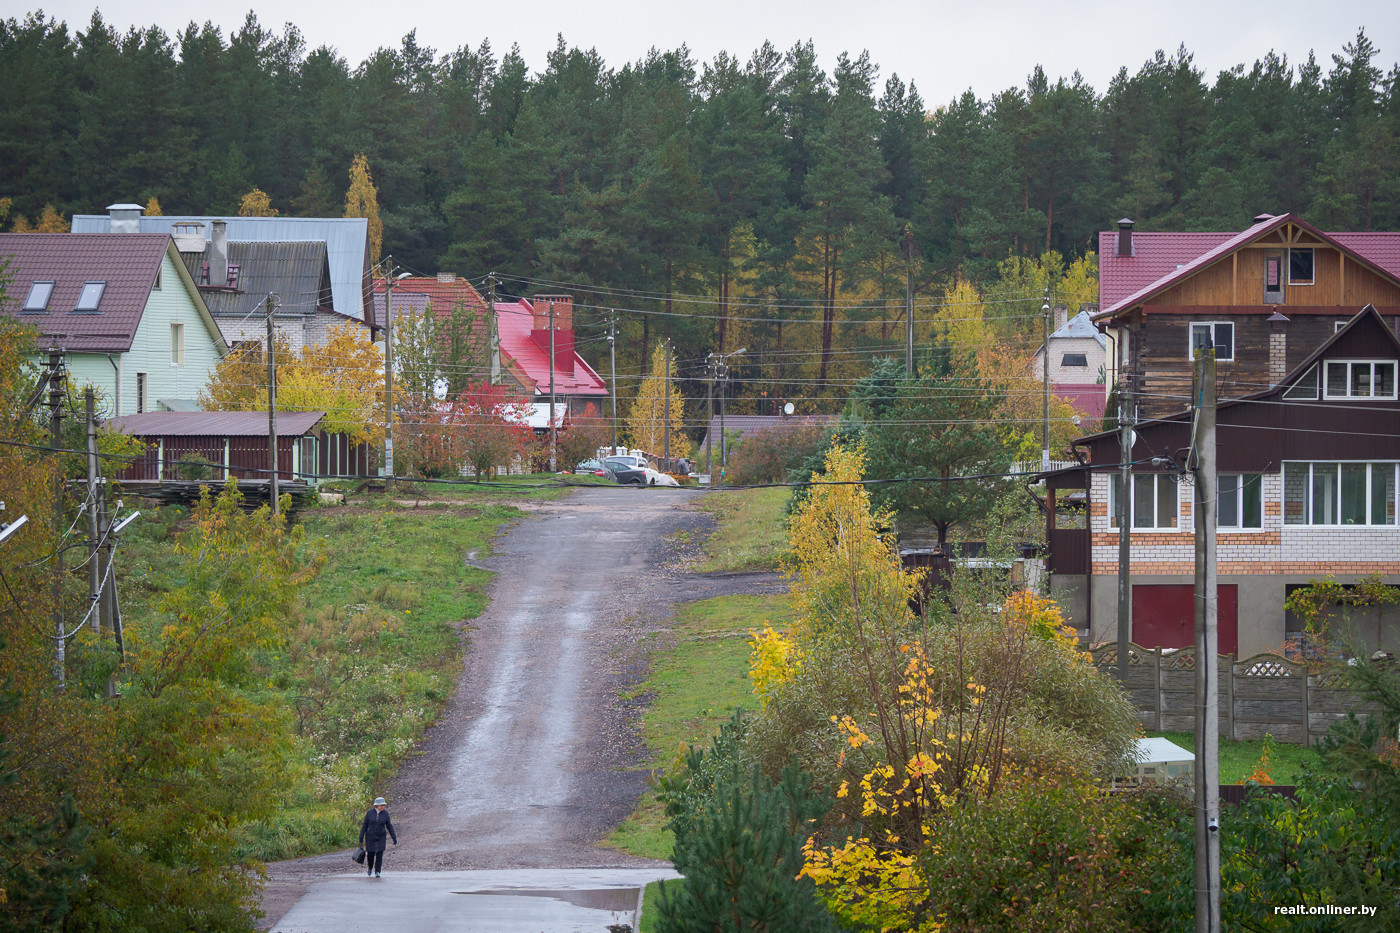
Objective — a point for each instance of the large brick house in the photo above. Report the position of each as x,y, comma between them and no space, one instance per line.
1309,470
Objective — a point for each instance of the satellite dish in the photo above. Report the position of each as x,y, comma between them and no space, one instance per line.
789,408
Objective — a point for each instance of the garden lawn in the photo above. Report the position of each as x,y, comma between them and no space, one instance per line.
1238,759
696,685
752,532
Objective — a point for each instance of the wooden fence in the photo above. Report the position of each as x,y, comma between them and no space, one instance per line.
1264,694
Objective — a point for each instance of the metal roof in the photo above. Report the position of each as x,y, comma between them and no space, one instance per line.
296,272
214,423
1081,325
514,322
346,239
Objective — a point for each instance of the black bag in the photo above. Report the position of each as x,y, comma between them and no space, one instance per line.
359,856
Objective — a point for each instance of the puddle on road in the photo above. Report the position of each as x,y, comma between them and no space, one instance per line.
616,900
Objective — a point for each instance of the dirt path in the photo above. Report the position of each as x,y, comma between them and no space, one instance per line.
532,761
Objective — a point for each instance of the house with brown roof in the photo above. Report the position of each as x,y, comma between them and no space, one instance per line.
1309,469
1265,298
122,308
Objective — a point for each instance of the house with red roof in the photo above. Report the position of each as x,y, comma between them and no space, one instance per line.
124,310
1265,298
523,331
459,311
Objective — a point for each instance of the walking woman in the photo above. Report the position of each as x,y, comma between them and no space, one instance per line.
372,833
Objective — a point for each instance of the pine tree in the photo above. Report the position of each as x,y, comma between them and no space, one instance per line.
362,200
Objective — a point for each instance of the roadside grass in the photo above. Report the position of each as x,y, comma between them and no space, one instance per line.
1237,759
369,658
696,685
651,911
752,532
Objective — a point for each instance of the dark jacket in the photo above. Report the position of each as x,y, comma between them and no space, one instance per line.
373,829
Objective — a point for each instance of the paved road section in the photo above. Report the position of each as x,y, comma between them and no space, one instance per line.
536,757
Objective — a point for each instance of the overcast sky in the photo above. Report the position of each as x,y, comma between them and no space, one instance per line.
944,47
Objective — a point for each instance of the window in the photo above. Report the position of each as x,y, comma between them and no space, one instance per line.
159,270
1273,280
140,393
1075,359
1305,388
1154,501
1339,493
38,299
1300,266
1360,379
91,296
1337,326
177,344
1218,334
1240,500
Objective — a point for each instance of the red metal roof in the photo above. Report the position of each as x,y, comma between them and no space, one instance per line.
127,262
514,322
214,423
1160,260
1088,399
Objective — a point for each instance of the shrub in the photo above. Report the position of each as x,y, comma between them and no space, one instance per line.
768,456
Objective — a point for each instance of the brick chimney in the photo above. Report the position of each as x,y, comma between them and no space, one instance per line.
125,218
1061,317
1125,237
218,254
563,309
1278,347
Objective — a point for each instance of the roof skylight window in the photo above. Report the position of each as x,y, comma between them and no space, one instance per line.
38,299
91,296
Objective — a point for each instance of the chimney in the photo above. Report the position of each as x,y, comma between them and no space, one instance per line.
1125,237
218,254
563,308
1260,218
1061,316
189,236
447,278
1278,347
125,218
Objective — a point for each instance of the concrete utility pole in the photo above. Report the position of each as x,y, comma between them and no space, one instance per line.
666,411
1207,647
712,369
1045,379
94,529
1125,521
494,363
55,378
612,373
389,376
271,411
553,459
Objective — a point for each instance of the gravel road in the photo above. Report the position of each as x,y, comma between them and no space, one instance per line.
535,757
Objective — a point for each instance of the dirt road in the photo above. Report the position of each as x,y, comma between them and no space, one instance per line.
534,759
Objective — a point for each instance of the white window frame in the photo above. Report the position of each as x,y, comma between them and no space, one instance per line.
1394,380
1213,325
1244,478
30,306
1299,249
1375,472
143,390
177,343
1158,485
1299,392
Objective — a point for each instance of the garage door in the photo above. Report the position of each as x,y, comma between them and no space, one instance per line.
1165,616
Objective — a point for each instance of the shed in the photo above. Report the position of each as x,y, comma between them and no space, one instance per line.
1161,760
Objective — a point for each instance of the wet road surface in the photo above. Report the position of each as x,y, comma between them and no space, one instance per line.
535,757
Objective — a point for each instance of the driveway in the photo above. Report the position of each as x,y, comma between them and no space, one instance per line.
535,757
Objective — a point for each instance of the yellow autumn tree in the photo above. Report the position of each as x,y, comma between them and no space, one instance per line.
256,203
51,221
646,423
153,207
344,378
362,200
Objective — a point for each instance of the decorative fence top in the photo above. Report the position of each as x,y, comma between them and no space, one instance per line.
1184,659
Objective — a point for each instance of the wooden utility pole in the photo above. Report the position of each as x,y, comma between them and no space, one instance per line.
1207,646
666,411
1045,379
553,462
56,392
271,411
94,528
1125,522
710,423
389,376
909,249
612,373
723,374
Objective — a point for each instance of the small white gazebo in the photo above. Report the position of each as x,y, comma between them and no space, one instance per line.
1161,760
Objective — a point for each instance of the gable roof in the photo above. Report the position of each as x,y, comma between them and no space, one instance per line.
296,273
514,322
128,263
445,292
214,423
1161,260
346,241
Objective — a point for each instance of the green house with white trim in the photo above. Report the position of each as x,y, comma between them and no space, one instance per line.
123,310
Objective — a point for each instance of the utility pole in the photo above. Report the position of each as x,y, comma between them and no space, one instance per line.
723,374
56,392
94,528
1045,378
493,364
553,465
612,372
389,377
271,411
1207,646
710,423
1125,521
909,249
666,411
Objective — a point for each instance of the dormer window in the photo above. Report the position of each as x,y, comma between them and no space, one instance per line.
1360,379
38,299
91,296
1075,359
1300,266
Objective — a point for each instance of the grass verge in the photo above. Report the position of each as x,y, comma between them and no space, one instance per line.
651,910
1237,759
752,532
368,660
696,685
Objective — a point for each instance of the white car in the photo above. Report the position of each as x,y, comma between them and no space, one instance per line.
660,479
